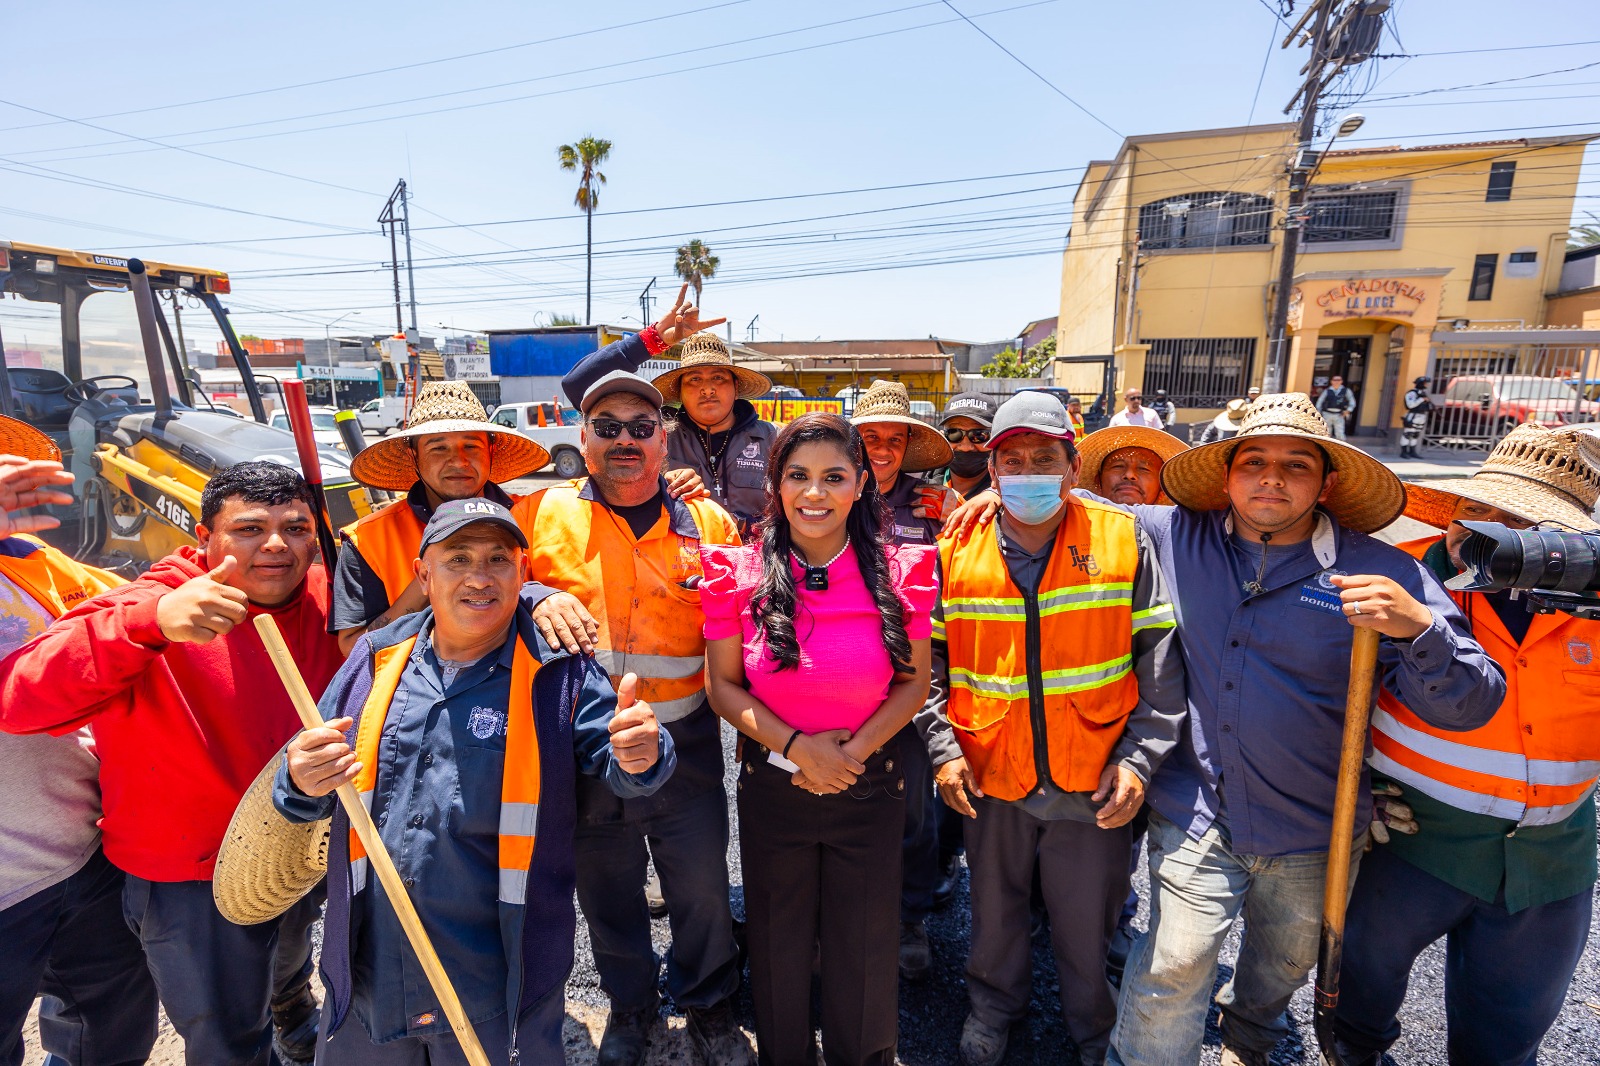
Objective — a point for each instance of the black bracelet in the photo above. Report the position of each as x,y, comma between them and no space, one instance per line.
787,746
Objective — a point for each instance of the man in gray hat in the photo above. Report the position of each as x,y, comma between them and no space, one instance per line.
1045,724
629,551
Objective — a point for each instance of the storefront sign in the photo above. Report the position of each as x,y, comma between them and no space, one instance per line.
467,367
1372,298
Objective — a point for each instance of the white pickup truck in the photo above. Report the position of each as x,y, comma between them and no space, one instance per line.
381,415
559,434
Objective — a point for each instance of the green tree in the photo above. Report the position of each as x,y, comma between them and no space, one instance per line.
585,157
1586,235
1031,363
696,265
566,320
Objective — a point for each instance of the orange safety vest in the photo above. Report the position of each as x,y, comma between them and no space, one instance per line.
519,787
388,539
1086,621
51,577
650,622
1537,759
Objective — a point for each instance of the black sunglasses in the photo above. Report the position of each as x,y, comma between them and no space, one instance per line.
611,428
976,436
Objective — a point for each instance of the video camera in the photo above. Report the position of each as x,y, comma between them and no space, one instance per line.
1559,571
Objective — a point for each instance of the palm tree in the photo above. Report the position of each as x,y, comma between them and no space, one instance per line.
696,265
586,156
1586,235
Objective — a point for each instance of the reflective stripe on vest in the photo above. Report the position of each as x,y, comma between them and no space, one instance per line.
650,624
1085,611
388,540
519,787
1536,761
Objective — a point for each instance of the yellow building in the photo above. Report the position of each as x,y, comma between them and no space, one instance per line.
1174,253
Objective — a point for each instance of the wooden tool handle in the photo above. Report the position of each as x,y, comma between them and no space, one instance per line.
377,854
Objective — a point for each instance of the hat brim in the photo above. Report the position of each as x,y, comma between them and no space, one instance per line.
22,440
1097,447
266,863
1433,502
389,464
926,448
748,383
1366,497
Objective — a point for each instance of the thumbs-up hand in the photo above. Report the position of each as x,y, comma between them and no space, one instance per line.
635,735
202,608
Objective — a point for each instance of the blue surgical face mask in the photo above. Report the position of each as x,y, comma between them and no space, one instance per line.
1031,498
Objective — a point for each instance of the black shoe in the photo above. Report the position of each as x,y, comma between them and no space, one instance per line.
717,1037
294,1017
627,1037
653,898
949,876
916,956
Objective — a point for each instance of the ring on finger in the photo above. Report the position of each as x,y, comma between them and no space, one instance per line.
1355,608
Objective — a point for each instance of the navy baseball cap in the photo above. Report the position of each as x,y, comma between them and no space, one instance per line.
1030,412
973,405
453,515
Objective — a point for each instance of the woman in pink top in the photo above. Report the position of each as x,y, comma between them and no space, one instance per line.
817,652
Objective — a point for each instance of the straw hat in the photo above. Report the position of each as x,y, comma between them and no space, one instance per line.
267,863
1097,447
1367,496
22,440
1235,411
445,407
1538,474
888,401
708,349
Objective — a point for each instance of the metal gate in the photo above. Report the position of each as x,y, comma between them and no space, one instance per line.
1487,382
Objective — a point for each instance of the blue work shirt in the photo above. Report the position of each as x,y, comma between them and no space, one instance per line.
436,802
1268,675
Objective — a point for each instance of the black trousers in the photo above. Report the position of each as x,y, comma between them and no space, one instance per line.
821,869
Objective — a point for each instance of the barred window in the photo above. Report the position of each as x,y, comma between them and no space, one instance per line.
1342,214
1205,220
1199,371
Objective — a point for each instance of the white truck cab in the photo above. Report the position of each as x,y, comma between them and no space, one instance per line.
559,434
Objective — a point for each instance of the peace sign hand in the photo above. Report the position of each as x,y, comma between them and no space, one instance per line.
683,320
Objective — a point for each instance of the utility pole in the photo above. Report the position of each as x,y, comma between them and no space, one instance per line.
750,330
645,302
1341,33
411,277
388,220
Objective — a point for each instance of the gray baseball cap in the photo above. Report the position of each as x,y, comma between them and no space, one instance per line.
1030,412
620,381
973,405
453,515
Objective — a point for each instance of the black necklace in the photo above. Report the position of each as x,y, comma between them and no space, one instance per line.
817,576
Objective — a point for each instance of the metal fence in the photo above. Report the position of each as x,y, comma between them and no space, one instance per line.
1486,383
1199,371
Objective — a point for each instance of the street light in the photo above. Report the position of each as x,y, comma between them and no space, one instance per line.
327,351
1349,124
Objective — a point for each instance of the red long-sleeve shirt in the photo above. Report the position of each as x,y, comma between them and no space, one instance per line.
181,729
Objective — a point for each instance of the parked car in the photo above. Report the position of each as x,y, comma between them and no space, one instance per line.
323,428
1492,405
381,415
559,434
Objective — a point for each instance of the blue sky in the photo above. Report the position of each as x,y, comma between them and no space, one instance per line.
281,185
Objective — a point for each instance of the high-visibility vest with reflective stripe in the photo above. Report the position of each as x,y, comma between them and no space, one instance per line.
519,788
1537,759
650,623
1086,628
56,580
388,540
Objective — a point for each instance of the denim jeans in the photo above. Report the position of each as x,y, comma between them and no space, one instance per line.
1197,888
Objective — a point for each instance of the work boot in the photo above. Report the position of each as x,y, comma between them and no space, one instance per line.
945,888
627,1036
717,1037
916,957
294,1016
653,897
982,1045
1235,1057
1345,1055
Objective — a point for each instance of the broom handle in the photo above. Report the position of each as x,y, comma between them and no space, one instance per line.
377,854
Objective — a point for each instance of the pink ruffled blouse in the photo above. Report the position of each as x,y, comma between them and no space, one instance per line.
844,673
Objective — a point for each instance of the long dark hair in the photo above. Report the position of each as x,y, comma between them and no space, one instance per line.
773,605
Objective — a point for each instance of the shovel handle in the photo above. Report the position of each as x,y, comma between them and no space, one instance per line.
377,854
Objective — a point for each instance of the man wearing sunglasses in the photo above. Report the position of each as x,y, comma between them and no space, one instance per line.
623,545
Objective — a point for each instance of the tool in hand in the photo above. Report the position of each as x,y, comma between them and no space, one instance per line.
377,854
305,443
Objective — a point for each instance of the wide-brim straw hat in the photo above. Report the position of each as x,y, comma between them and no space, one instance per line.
1549,476
1366,497
267,863
888,401
1097,447
22,440
708,349
445,407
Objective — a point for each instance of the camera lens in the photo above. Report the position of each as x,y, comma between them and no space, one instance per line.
1531,559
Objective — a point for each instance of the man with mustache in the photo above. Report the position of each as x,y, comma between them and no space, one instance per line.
630,552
